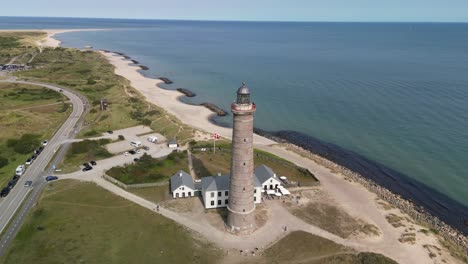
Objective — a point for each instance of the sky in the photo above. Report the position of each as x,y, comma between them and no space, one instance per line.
251,10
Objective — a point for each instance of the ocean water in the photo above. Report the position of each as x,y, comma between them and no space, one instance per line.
387,99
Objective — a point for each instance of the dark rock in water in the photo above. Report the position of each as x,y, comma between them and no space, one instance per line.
143,67
126,57
187,92
134,61
106,51
119,53
166,80
219,111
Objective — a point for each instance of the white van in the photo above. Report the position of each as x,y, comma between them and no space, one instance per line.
20,170
135,143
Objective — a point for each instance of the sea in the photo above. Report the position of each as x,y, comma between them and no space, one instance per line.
388,100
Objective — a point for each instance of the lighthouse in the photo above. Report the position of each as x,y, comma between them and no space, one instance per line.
241,206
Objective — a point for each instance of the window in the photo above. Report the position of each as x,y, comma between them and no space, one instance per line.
243,210
243,189
219,202
244,163
226,193
212,203
212,194
255,198
182,188
219,193
245,140
255,190
189,193
226,201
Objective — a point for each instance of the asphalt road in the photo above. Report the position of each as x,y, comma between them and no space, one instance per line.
37,171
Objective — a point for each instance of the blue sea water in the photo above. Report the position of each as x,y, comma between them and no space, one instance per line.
393,94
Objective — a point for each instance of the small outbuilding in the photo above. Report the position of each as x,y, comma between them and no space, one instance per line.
182,185
172,144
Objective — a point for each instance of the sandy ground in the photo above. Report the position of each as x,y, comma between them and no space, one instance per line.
351,196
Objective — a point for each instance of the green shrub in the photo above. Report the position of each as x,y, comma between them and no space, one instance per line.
3,162
24,145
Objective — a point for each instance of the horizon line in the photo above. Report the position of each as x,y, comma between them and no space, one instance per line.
228,20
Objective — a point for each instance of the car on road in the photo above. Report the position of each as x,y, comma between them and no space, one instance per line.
87,168
5,191
28,161
51,178
45,142
132,152
28,184
136,159
86,164
93,163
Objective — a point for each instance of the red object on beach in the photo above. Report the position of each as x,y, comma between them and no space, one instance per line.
215,136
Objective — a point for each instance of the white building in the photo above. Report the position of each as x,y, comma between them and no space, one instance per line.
182,185
173,144
267,178
215,191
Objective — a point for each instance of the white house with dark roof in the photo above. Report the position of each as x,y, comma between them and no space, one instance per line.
267,178
215,191
182,185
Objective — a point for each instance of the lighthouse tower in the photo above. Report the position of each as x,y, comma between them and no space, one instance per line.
241,207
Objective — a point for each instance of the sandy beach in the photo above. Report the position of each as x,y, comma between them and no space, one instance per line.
354,197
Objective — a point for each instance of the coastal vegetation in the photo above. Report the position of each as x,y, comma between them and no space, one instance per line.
28,115
77,222
19,45
149,170
84,151
302,247
89,73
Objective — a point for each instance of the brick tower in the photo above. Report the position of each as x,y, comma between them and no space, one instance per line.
241,207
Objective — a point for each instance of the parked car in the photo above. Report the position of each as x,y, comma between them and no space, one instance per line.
87,168
93,163
61,90
28,184
137,151
41,149
86,164
29,161
5,191
132,152
136,159
45,142
110,132
146,148
33,157
51,178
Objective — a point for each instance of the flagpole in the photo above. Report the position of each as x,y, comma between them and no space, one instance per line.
214,144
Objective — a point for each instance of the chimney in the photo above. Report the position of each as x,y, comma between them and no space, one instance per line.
180,174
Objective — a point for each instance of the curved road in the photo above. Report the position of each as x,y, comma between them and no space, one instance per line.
39,168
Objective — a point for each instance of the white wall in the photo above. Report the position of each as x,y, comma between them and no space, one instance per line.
179,192
270,182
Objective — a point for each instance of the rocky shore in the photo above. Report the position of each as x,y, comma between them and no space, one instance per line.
219,111
187,92
416,212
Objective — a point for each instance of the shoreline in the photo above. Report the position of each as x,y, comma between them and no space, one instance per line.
201,118
408,207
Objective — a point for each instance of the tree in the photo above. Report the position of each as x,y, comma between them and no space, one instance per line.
3,162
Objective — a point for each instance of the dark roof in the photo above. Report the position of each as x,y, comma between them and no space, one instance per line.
264,173
243,89
215,183
181,178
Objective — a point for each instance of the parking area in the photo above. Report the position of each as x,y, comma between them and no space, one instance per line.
122,146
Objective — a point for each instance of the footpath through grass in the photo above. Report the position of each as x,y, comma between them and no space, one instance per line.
150,170
28,115
78,222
